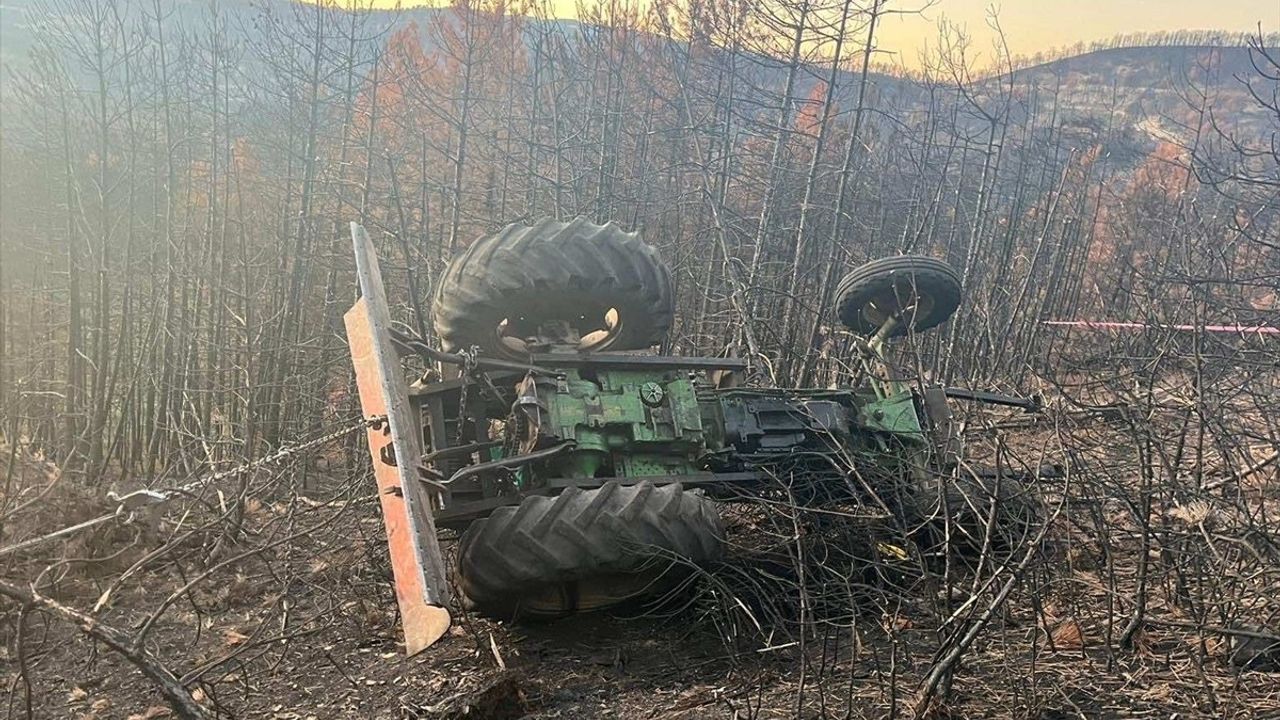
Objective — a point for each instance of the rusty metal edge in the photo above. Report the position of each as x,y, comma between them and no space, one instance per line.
420,573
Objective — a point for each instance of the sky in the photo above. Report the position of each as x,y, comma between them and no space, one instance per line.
1036,25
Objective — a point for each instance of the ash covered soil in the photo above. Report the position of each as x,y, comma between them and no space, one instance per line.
608,667
281,607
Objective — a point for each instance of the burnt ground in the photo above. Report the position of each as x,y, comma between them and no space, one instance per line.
640,668
290,615
346,662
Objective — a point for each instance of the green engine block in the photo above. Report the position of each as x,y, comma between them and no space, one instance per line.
633,423
661,422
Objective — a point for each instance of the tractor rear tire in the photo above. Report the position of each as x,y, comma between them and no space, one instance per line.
872,292
586,549
576,272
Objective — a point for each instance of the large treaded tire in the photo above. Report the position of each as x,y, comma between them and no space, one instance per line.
889,280
585,549
573,271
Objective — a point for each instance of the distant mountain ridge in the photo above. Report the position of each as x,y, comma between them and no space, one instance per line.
19,18
1233,59
1141,84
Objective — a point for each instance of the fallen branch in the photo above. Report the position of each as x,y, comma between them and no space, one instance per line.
173,690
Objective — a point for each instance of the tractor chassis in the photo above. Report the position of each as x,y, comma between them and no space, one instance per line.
448,452
467,487
434,402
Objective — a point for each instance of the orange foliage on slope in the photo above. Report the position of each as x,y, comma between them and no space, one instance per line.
1164,170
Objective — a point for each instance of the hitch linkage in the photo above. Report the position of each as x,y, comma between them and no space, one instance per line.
1028,404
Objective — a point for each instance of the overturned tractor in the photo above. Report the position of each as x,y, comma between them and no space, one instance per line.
581,467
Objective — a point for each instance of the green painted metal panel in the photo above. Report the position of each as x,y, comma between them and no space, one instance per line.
895,414
649,423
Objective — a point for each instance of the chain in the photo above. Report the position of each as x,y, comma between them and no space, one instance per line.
468,370
282,454
127,503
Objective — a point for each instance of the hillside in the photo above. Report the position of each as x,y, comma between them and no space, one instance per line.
1137,96
1146,84
1150,89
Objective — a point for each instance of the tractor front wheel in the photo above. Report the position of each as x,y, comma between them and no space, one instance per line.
920,291
586,549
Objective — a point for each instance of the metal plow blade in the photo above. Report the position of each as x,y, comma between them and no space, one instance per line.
422,589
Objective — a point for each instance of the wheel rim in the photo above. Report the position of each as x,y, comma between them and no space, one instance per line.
591,339
901,300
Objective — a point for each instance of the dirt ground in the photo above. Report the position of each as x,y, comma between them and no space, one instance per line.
600,667
346,662
307,629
